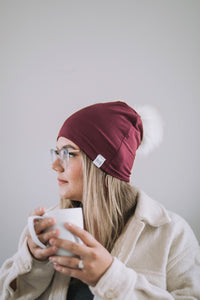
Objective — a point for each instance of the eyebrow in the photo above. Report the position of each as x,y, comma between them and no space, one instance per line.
67,147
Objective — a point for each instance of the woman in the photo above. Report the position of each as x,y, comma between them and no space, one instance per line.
133,248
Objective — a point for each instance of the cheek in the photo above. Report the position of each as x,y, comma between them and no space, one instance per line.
75,174
79,176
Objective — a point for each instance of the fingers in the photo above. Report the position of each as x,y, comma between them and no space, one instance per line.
75,273
43,235
77,249
68,266
46,236
95,258
39,253
69,262
95,261
85,236
39,211
45,253
41,225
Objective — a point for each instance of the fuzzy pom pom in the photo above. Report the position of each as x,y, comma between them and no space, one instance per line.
152,129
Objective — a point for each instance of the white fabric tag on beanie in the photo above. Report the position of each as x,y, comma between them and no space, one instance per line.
99,160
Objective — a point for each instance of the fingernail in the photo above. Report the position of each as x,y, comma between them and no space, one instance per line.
52,241
69,224
51,220
51,259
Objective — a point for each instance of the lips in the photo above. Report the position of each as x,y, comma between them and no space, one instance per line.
61,181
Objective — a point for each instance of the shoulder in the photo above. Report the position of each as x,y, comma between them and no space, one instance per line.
174,227
182,236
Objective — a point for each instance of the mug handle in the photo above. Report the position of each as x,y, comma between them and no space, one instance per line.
32,230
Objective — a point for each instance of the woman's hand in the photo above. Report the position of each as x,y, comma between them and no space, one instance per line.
96,259
40,226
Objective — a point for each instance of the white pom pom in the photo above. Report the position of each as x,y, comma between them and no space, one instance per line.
152,129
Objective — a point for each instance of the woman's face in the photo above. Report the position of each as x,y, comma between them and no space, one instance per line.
70,180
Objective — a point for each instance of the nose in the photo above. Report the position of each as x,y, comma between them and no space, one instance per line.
56,166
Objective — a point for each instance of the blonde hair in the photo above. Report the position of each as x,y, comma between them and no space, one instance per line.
107,203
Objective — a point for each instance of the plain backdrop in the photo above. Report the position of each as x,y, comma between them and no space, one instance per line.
59,56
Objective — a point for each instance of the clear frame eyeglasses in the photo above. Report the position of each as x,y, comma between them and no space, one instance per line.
64,155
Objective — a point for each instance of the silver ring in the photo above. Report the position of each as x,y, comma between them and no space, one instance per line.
80,264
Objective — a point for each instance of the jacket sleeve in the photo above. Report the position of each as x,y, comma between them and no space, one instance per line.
120,282
183,268
182,274
32,276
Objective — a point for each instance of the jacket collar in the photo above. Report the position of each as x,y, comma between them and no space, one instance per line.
150,211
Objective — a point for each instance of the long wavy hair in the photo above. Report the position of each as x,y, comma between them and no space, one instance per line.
107,203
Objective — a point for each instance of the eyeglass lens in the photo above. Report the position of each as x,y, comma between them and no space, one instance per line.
63,156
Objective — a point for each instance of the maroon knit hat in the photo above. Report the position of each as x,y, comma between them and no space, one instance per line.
109,133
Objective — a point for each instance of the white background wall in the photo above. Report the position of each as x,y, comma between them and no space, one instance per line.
58,56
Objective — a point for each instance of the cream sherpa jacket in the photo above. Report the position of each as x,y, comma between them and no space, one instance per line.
157,257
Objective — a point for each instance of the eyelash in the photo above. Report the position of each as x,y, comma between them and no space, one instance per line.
72,154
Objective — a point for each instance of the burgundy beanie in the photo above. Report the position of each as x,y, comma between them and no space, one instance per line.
109,133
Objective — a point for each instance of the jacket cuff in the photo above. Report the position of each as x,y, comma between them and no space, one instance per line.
23,264
24,259
116,280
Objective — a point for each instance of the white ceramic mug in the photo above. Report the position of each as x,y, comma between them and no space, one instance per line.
72,215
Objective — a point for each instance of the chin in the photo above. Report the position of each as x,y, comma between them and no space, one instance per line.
68,196
64,196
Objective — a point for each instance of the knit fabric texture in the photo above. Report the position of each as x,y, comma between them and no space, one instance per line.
109,133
